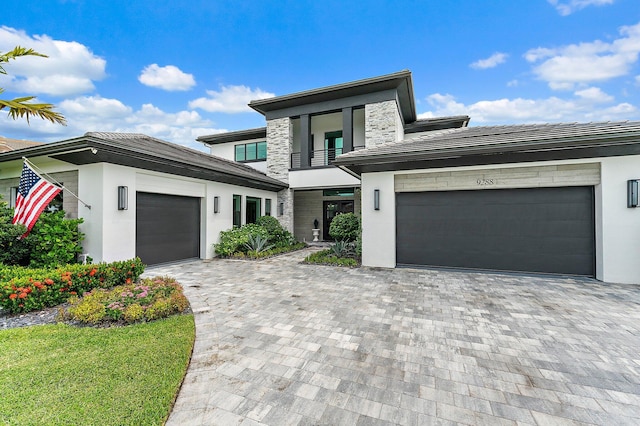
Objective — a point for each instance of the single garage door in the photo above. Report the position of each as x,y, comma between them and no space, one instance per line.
167,227
548,230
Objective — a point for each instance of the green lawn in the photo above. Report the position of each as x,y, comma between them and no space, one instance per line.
64,375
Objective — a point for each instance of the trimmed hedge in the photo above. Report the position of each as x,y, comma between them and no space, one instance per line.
29,289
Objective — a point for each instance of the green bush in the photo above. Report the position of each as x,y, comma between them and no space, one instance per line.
28,289
12,250
234,239
326,257
345,227
52,242
151,299
277,234
268,253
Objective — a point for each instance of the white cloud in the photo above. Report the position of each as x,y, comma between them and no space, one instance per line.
594,94
97,114
568,7
70,69
491,62
230,99
586,106
513,83
564,67
168,78
638,79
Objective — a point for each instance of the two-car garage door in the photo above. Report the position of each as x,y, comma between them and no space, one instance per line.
167,227
549,230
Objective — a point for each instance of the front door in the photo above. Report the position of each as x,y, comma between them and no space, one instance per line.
331,210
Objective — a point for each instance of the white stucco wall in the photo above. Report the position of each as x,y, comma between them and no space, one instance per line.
378,226
617,227
110,233
328,177
620,225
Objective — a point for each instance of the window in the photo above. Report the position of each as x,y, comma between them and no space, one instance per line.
254,207
267,207
332,145
256,151
344,192
54,206
237,211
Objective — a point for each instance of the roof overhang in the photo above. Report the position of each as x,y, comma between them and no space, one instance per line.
400,82
596,146
91,150
240,135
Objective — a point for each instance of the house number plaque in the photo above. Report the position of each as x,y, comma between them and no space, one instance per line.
485,182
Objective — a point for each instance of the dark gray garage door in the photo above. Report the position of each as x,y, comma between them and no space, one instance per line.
167,227
535,230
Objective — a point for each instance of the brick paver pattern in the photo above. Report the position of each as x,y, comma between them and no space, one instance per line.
282,343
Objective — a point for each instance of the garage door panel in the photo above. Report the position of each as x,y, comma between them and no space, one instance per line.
167,227
534,229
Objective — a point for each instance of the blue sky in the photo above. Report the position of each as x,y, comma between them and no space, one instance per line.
179,69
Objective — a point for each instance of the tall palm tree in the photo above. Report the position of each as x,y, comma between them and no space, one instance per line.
22,107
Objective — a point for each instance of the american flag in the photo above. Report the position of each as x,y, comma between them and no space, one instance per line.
34,194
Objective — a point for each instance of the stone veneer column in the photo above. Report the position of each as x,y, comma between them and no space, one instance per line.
382,123
279,147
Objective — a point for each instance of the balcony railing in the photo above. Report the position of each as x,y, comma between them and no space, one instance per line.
318,158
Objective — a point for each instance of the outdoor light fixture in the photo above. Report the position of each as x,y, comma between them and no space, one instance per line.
632,193
123,198
216,204
376,199
280,209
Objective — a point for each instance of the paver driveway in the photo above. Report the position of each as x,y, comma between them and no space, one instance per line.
283,343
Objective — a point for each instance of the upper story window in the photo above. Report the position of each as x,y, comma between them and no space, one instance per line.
255,151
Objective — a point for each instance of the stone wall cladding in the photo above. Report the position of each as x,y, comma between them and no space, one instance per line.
382,123
279,146
70,181
502,178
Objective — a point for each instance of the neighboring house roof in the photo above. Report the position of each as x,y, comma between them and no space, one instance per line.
400,81
7,144
239,135
148,153
498,145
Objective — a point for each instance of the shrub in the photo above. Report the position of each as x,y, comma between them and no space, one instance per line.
12,250
268,253
234,240
53,241
277,234
151,299
345,227
326,257
28,289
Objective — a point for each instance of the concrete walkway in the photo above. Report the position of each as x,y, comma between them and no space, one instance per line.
281,343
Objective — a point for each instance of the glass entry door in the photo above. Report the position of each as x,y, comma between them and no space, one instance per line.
331,210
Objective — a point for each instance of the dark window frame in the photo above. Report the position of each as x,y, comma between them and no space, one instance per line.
237,213
267,206
256,149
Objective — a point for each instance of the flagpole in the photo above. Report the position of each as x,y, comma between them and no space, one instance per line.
60,184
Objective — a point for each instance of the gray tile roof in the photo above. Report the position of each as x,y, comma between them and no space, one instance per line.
499,139
146,152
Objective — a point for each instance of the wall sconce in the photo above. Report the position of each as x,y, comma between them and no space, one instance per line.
280,209
216,204
632,193
376,199
123,198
